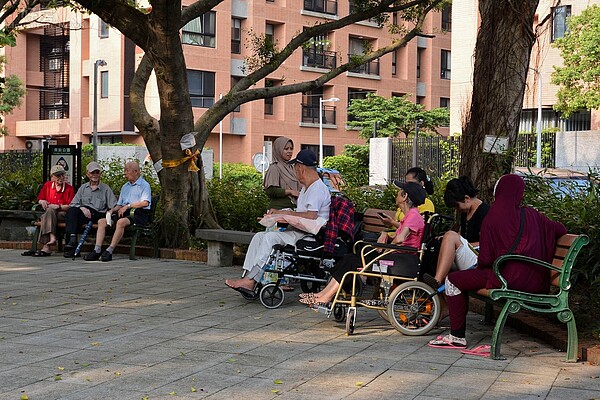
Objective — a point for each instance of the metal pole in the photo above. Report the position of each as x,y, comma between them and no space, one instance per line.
538,128
95,113
320,132
220,145
415,142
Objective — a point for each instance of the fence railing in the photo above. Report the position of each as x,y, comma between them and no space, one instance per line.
438,155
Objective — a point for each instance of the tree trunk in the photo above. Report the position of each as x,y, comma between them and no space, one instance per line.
502,54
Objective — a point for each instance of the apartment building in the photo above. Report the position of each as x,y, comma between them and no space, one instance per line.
550,23
63,50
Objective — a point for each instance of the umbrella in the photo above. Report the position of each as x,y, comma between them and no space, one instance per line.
82,239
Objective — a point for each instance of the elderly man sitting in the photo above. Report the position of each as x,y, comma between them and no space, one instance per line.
313,201
135,193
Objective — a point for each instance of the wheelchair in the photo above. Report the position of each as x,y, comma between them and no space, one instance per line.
399,295
307,262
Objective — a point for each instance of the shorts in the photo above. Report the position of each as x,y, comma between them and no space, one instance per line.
465,256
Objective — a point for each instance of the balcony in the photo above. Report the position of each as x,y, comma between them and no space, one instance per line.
321,6
319,59
310,114
369,68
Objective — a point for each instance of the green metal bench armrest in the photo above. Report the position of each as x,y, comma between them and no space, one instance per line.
510,257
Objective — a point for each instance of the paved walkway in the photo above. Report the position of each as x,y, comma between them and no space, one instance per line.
165,329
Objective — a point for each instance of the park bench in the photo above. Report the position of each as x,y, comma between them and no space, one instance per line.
220,244
372,225
556,302
134,230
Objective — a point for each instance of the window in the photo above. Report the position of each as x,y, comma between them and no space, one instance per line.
315,54
328,151
447,18
269,101
54,64
202,88
270,32
358,46
200,31
444,102
559,21
420,99
103,31
394,61
104,84
310,105
354,94
54,114
445,73
419,58
236,35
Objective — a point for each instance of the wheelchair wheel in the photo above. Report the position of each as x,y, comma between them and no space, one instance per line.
271,296
310,286
412,310
255,295
350,320
339,312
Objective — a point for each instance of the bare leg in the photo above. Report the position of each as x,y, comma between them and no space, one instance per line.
450,243
326,295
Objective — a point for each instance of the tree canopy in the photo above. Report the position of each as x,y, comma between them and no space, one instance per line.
579,77
393,116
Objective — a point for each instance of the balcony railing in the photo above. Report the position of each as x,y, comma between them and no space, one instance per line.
319,59
369,68
321,6
310,114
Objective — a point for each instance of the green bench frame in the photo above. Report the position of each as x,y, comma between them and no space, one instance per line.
512,301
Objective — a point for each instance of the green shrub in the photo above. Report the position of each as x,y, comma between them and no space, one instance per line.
238,204
353,171
364,197
20,180
243,174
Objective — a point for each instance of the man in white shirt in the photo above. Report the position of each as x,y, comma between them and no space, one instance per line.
313,201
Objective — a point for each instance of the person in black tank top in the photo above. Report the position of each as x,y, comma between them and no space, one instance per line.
456,251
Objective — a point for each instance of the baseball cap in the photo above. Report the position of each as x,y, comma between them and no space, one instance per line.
416,192
94,166
57,170
305,157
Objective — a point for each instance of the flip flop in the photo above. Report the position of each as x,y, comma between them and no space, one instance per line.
446,342
309,295
287,288
41,253
242,290
481,350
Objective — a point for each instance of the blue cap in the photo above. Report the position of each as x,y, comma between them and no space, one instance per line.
305,157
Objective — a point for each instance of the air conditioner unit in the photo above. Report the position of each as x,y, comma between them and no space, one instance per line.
33,144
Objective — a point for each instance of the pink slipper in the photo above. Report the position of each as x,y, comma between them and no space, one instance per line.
481,350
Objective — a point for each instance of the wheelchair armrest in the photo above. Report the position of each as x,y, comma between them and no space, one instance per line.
393,247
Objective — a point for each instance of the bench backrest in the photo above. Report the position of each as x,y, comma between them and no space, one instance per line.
372,222
567,248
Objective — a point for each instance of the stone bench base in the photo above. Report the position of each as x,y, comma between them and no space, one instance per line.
220,244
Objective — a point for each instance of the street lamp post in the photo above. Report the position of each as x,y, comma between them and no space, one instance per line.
321,101
98,63
418,123
538,128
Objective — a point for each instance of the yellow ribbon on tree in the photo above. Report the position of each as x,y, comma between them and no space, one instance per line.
192,157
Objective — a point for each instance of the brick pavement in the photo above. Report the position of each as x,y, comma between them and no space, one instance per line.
167,329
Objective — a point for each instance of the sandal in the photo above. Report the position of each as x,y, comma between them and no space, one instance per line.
42,253
448,342
28,253
309,301
481,350
308,295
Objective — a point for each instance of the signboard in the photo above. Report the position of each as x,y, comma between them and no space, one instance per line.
65,156
495,144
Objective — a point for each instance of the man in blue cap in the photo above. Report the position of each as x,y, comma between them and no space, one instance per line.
313,201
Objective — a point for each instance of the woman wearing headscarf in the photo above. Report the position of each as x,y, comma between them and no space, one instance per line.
499,236
280,182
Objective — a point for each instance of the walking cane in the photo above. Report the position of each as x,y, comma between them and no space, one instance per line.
82,240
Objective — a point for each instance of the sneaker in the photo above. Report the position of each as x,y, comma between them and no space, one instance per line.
92,256
430,280
106,256
69,253
448,341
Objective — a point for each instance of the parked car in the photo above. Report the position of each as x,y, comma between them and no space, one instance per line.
562,182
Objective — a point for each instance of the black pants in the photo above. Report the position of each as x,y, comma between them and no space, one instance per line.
75,218
140,216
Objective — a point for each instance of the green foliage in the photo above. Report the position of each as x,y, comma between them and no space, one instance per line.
353,171
579,77
579,213
20,180
358,151
383,197
238,199
394,115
